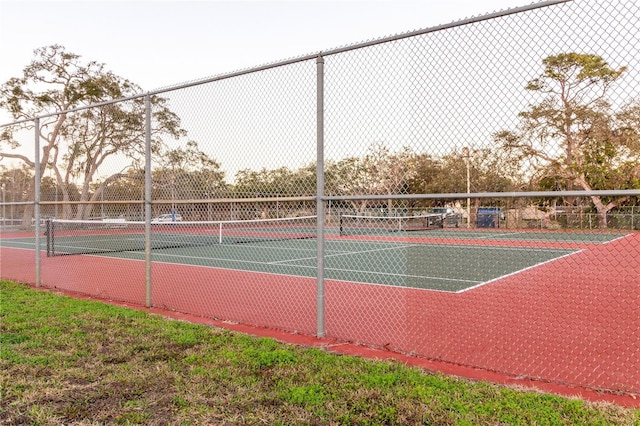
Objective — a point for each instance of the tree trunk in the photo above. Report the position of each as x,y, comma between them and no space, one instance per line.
27,217
602,211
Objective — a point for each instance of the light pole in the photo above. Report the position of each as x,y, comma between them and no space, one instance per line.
173,196
4,216
208,195
467,159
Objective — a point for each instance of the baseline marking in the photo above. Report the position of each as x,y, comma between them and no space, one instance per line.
518,271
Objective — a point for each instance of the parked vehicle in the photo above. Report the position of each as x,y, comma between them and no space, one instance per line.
169,217
450,218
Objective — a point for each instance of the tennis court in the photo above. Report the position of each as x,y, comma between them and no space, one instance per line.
450,260
525,303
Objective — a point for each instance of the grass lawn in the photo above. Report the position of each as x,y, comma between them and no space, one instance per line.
70,361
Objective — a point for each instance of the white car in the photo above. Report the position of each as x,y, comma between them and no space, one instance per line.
169,217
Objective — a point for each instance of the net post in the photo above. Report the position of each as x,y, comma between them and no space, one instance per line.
49,234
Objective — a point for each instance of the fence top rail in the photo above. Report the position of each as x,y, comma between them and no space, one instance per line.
307,57
459,195
453,195
180,201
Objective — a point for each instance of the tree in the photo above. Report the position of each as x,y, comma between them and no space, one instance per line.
280,182
126,187
392,171
187,173
76,144
349,176
489,171
573,137
427,176
379,172
16,182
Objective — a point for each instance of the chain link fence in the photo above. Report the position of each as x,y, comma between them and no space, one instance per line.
467,193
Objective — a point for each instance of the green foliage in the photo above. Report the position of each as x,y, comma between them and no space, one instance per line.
279,182
573,137
306,396
76,145
276,357
572,68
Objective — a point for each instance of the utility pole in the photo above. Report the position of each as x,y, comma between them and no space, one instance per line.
4,215
467,159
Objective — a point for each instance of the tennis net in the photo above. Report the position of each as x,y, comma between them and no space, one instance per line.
377,225
68,237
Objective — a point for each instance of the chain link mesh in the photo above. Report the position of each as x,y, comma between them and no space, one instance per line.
452,223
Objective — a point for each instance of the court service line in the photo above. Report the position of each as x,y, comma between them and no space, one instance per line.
314,267
279,274
303,267
26,244
440,279
221,259
285,262
342,253
30,248
496,247
502,234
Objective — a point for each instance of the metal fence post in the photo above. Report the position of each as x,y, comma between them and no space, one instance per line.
38,198
147,199
320,195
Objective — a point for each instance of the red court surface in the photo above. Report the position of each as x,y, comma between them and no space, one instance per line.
570,327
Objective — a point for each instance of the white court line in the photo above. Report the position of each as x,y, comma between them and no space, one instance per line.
279,274
20,248
544,240
391,246
222,259
517,272
405,275
616,239
486,248
504,234
19,243
282,262
278,262
328,269
342,253
481,247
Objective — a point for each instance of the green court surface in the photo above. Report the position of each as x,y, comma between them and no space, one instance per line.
588,237
441,266
450,268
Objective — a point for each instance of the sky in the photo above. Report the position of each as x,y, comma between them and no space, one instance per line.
163,43
157,44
